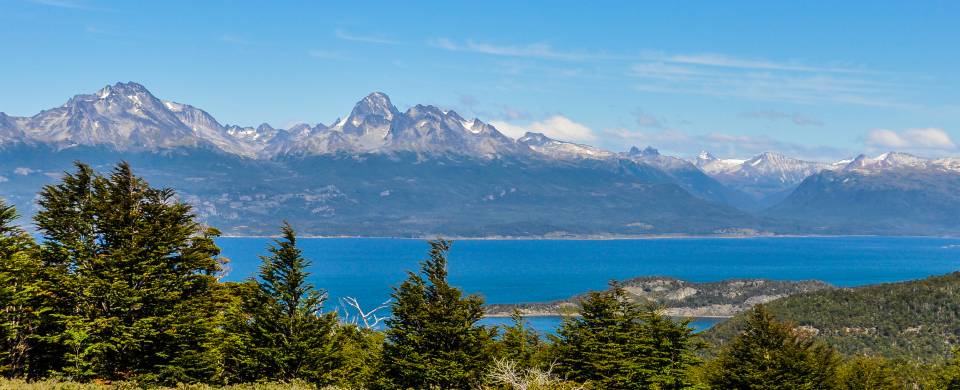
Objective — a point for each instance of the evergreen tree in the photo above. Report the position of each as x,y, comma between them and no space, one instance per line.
867,373
520,343
22,295
617,344
773,355
135,276
291,336
950,374
432,340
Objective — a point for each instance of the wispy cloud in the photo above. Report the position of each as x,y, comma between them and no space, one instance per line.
726,61
805,87
531,50
325,54
647,120
557,126
346,36
708,74
922,139
72,4
239,40
776,116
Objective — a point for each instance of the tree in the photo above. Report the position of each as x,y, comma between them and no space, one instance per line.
432,340
867,373
950,374
617,344
772,355
135,276
519,343
292,338
22,295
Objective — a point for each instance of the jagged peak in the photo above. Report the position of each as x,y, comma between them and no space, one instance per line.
534,138
706,156
648,151
376,104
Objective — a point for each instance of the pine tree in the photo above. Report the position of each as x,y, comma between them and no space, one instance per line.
22,295
772,355
292,337
867,373
617,344
135,276
520,343
432,340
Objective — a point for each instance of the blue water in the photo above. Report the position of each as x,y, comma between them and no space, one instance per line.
512,271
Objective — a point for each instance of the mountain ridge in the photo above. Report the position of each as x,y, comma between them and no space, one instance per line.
380,165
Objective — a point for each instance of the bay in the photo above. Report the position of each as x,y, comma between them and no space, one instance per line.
513,271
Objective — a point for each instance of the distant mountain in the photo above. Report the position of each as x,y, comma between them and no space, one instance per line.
768,177
427,171
691,178
888,194
378,171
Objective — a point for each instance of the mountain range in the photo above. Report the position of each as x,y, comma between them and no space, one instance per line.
380,171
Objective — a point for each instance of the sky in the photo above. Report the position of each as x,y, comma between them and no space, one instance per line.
820,80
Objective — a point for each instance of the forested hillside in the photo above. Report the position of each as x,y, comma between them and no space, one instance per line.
915,320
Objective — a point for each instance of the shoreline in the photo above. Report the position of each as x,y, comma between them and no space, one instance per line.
596,238
542,315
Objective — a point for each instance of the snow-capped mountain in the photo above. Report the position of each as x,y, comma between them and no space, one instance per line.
689,176
891,193
900,161
712,165
127,117
124,116
766,174
383,171
562,150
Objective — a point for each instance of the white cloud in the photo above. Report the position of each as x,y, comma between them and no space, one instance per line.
346,36
774,116
557,126
23,171
911,139
530,50
3,179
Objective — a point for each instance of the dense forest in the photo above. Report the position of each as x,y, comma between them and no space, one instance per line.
123,290
917,320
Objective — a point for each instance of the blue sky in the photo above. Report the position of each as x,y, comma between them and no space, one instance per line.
820,80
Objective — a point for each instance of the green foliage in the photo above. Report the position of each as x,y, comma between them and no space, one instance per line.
949,377
773,355
289,336
520,343
867,373
23,299
134,276
123,292
432,340
617,344
912,321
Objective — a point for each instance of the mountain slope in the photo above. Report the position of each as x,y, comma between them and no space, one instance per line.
691,178
913,320
891,194
767,177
